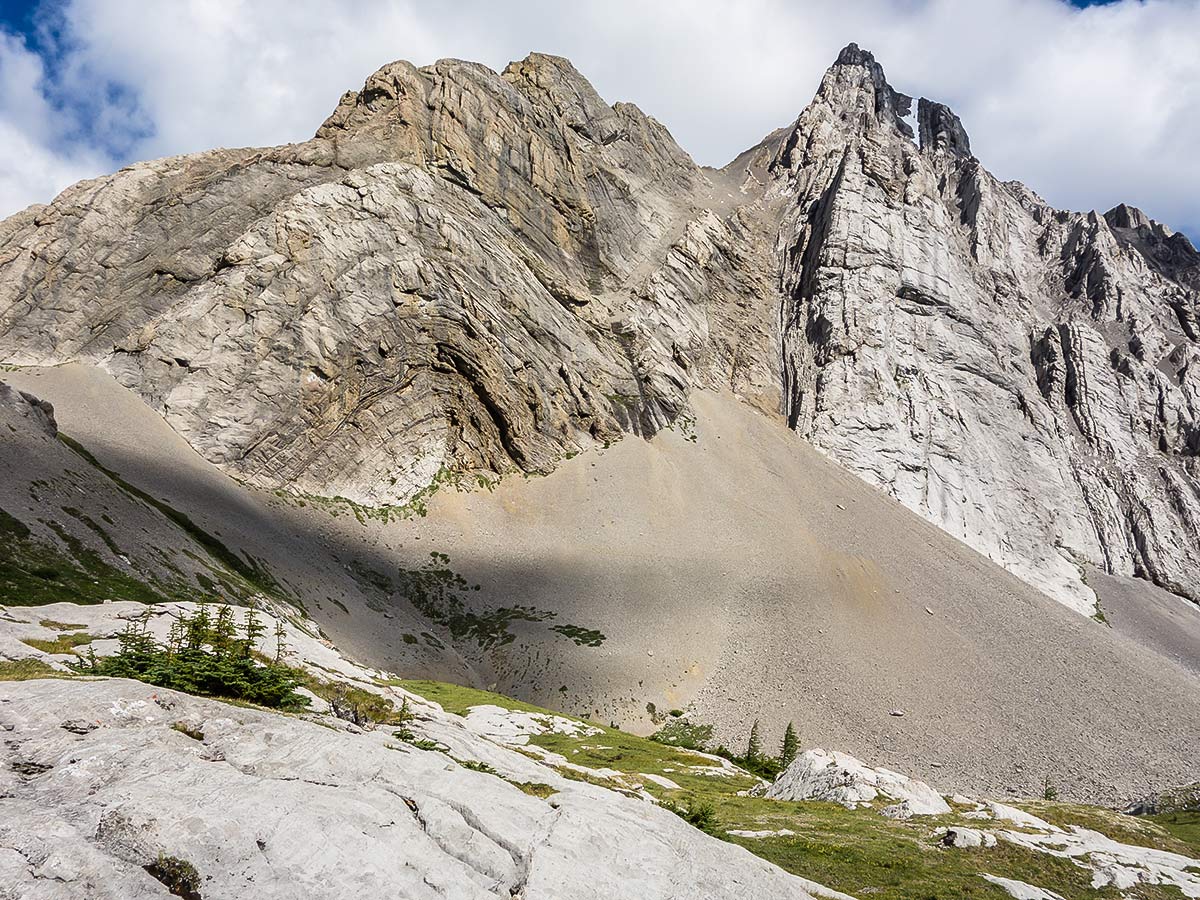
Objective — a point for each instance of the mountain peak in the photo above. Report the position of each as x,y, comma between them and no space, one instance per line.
856,82
853,55
1125,216
554,81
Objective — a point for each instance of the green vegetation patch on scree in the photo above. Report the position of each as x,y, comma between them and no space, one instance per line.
456,699
63,643
33,572
440,595
27,669
253,572
1183,826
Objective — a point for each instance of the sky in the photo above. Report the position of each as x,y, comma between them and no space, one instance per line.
1090,104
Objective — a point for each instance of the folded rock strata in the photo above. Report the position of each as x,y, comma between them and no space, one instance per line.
472,272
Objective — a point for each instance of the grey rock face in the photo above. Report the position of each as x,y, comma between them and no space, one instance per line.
484,272
23,411
462,270
940,129
1019,375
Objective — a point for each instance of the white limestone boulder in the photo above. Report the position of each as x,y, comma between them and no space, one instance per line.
840,778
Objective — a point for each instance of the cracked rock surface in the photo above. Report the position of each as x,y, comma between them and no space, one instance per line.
99,778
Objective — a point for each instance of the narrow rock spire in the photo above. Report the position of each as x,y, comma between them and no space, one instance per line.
853,55
941,129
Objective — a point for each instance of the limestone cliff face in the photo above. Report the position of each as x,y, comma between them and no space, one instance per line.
462,270
485,272
1023,377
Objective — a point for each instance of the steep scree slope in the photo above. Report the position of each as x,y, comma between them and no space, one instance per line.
725,567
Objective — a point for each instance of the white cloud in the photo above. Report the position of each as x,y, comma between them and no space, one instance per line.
36,161
1089,108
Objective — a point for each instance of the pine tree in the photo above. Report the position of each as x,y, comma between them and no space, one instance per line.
253,628
403,717
791,746
279,645
175,636
754,745
222,635
197,628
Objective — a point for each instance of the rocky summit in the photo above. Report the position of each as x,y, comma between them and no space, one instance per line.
490,383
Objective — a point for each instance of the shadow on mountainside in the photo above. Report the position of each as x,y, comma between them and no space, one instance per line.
742,574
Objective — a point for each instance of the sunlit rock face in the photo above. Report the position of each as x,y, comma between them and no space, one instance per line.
473,272
1021,376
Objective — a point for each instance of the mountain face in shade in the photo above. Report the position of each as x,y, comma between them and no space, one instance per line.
467,273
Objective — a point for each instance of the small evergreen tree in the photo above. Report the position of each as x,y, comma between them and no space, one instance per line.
253,630
175,637
791,746
754,745
279,645
197,629
223,634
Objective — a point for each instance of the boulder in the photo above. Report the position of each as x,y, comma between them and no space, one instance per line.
839,778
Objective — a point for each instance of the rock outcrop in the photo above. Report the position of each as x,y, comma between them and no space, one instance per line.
472,272
24,413
117,789
839,778
463,270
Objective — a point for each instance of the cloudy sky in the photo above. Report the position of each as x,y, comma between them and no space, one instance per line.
1089,106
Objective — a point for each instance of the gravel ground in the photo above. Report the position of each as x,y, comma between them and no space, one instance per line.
1157,619
745,574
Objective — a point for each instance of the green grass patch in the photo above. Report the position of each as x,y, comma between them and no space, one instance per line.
534,788
700,815
1141,831
633,756
679,732
34,572
355,704
455,698
184,728
64,643
865,854
27,669
61,626
1183,826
